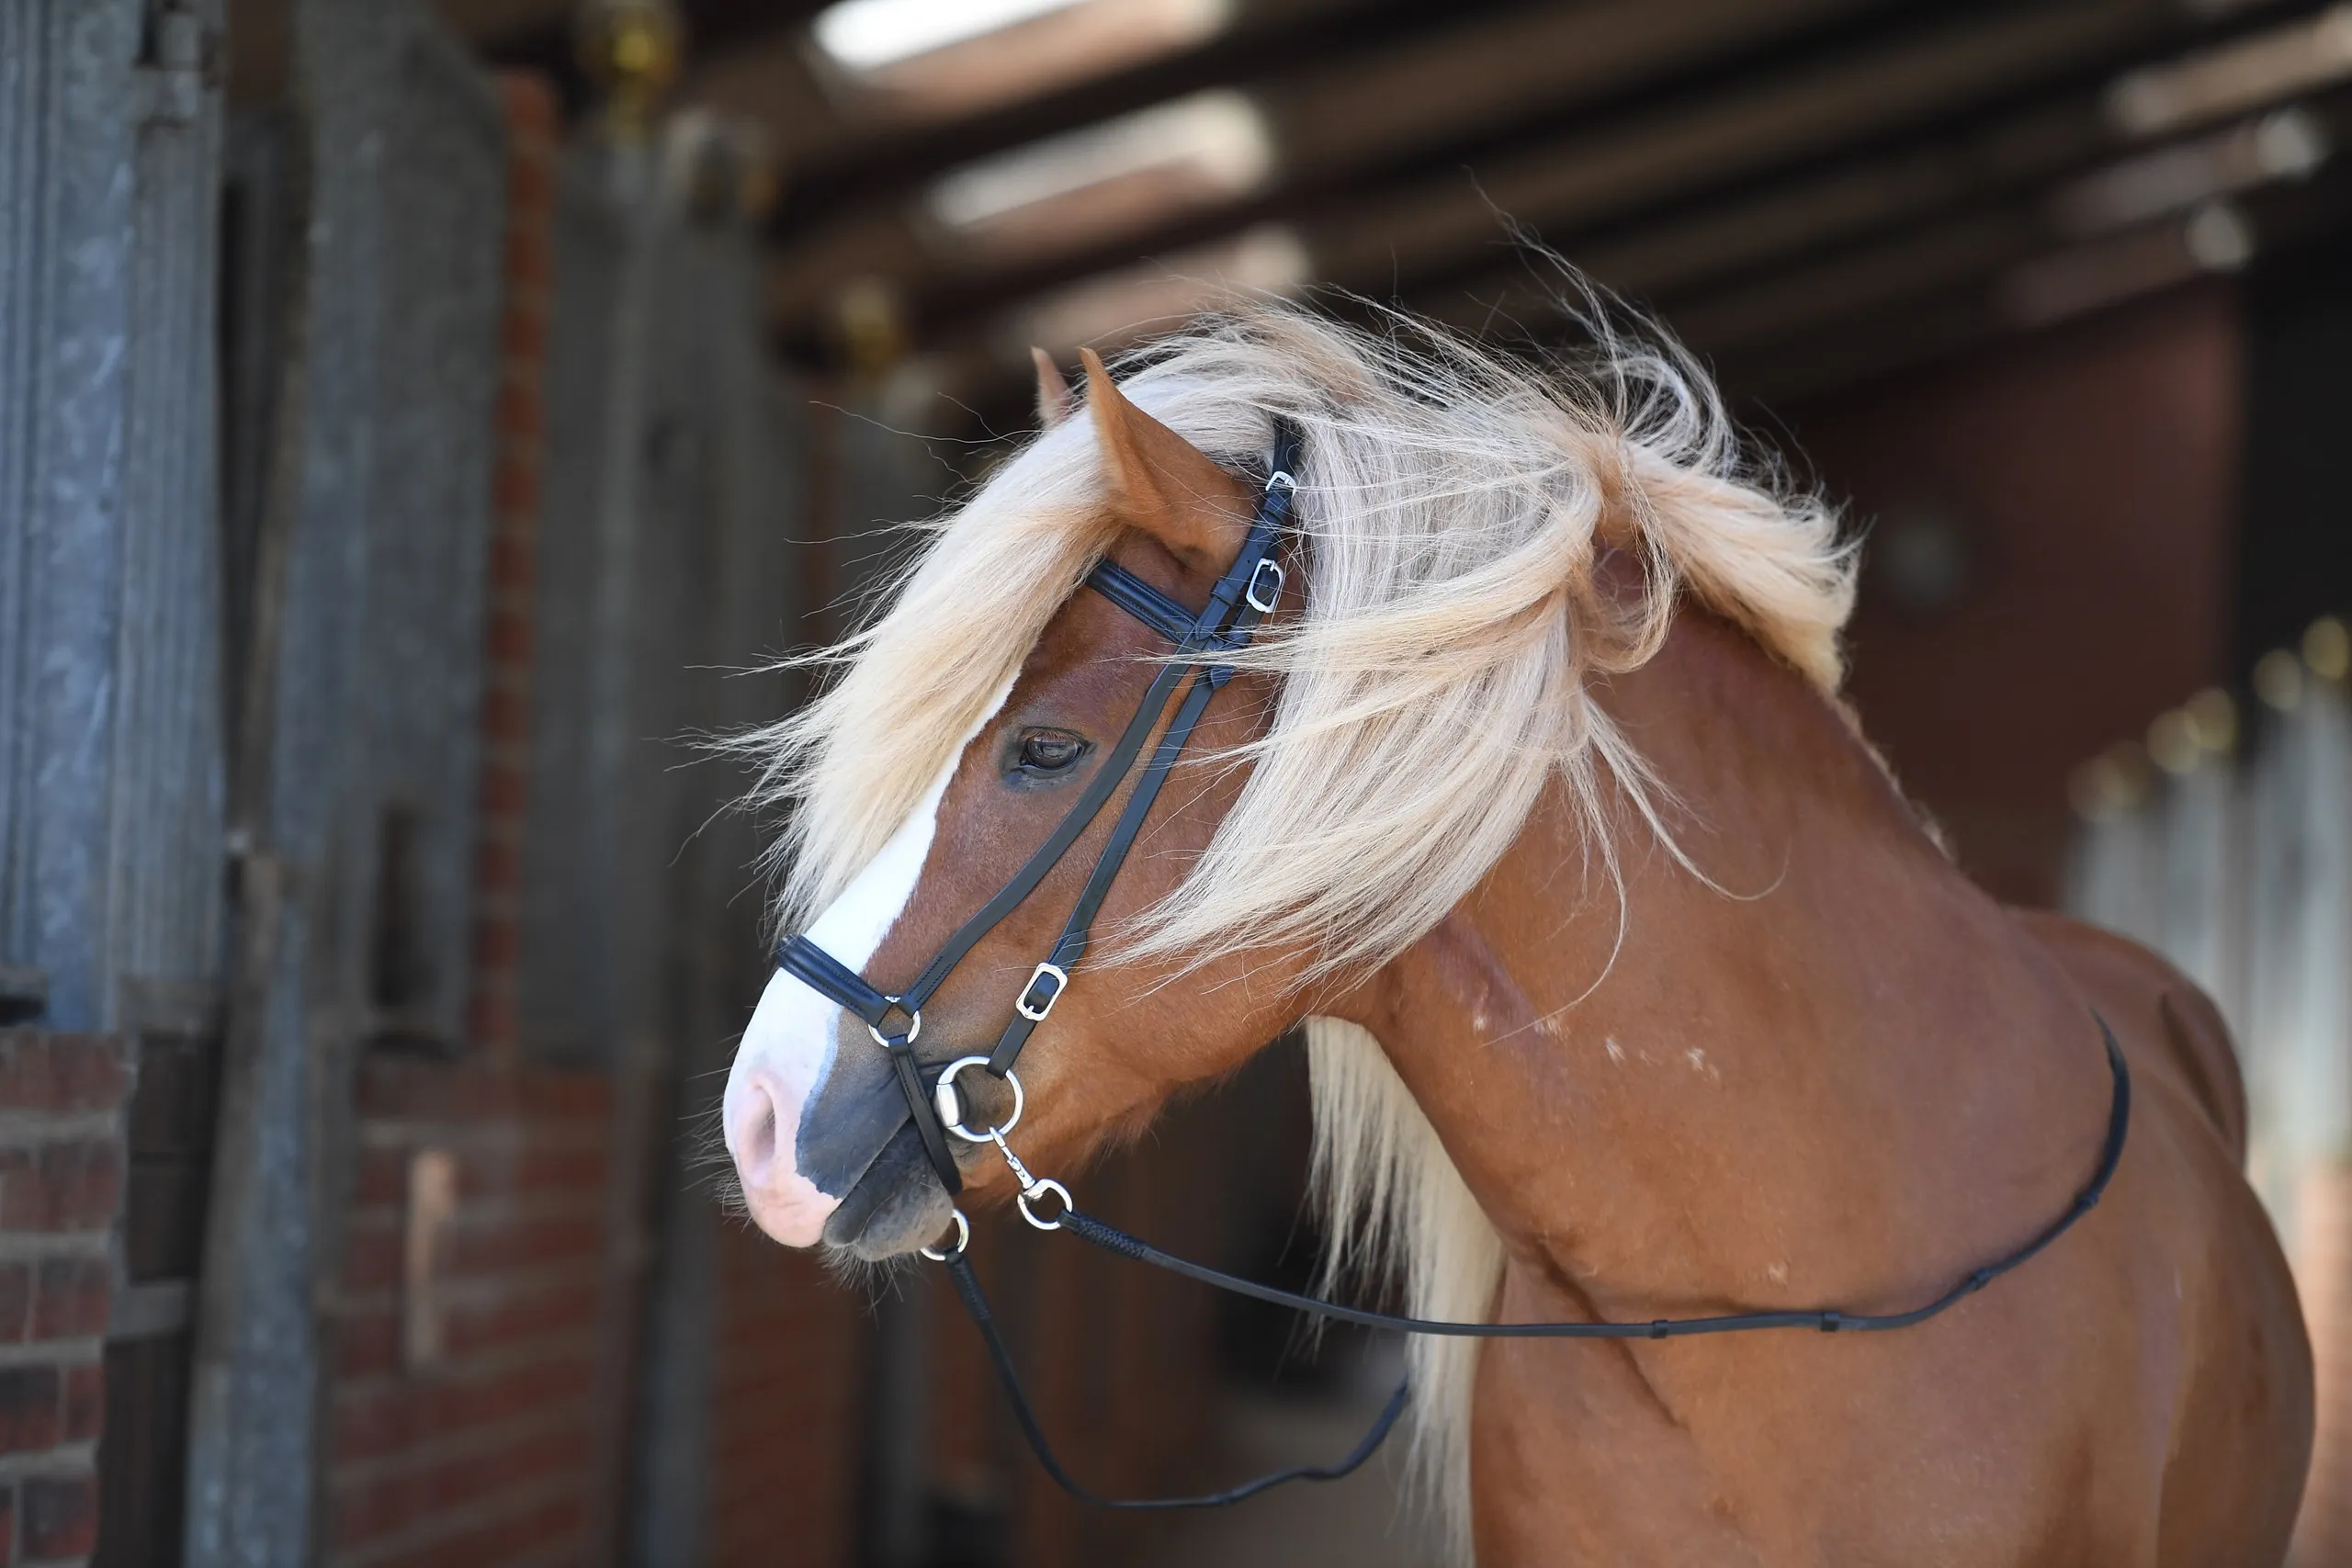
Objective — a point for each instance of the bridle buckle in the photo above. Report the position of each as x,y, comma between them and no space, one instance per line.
1263,595
1036,1014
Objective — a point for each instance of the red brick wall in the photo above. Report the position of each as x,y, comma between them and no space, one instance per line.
789,1385
2095,472
486,1454
61,1158
489,1451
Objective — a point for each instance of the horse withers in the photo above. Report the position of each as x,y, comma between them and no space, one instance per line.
1634,987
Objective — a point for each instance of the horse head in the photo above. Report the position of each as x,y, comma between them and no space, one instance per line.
816,1119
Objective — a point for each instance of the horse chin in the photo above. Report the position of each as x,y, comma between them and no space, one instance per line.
894,1208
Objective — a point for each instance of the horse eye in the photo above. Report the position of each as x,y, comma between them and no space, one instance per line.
1050,751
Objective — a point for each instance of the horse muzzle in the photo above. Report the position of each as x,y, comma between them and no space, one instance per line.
818,1133
894,1207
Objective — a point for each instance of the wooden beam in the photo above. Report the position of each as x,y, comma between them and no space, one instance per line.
1839,320
1982,112
1352,83
1873,263
855,159
1955,251
1424,101
2018,152
1678,148
1715,242
1968,159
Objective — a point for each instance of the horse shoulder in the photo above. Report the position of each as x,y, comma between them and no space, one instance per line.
2154,1010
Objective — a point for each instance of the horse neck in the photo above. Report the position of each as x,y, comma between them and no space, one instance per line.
1769,1089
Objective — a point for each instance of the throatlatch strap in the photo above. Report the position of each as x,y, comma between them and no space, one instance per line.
975,1305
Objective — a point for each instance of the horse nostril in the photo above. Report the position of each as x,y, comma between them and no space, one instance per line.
754,1139
761,1115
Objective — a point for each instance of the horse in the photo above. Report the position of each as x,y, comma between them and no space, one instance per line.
1633,984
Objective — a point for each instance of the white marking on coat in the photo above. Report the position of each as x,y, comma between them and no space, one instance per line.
788,1048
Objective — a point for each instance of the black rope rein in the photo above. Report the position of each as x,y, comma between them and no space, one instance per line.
1824,1320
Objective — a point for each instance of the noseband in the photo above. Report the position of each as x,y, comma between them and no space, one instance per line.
1243,596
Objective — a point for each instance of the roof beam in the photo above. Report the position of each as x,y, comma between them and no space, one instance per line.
1669,153
1910,239
1714,243
1866,241
851,161
1586,179
1349,116
1816,343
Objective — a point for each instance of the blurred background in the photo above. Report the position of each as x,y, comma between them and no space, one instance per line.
421,414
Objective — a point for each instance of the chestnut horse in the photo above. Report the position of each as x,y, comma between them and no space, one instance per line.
1633,987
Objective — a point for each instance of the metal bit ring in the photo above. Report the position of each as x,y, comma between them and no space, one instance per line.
944,1100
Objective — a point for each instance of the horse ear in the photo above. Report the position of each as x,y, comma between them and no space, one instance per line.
1052,392
1163,484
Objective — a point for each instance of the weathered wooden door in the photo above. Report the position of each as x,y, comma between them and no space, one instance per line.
359,540
665,562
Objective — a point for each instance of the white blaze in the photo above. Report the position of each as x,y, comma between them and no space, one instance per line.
787,1049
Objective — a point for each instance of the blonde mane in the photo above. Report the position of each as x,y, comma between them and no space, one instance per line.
1452,510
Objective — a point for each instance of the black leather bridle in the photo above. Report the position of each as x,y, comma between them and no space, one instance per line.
1242,597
